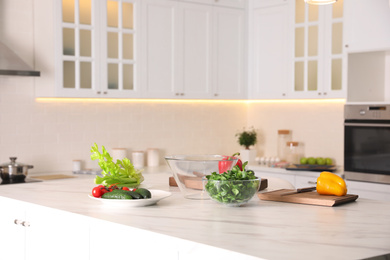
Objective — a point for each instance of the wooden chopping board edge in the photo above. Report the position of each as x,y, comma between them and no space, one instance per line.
311,198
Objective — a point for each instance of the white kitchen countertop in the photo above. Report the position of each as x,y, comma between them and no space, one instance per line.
264,229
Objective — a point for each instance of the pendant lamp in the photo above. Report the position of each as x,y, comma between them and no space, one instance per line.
320,2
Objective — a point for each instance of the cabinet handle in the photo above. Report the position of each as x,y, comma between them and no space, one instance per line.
324,93
319,93
181,94
216,95
98,92
105,92
25,224
177,94
18,222
312,182
284,94
346,45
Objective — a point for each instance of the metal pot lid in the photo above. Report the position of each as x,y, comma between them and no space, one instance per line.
13,163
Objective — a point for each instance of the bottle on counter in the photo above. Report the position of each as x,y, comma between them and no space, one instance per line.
138,159
293,152
284,136
153,157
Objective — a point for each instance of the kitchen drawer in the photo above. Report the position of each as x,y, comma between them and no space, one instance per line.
368,190
304,181
273,177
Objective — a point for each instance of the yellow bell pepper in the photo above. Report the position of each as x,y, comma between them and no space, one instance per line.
331,184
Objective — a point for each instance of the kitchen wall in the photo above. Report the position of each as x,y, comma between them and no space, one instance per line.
316,124
50,134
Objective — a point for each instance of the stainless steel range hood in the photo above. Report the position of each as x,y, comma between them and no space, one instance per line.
12,65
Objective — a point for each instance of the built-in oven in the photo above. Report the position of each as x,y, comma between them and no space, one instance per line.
367,143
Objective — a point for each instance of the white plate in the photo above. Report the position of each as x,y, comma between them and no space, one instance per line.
157,195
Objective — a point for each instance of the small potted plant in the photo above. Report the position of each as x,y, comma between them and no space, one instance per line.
247,139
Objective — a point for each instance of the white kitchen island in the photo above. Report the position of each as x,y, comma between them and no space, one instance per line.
56,220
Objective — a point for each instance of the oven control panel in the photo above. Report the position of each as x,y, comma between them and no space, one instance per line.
367,112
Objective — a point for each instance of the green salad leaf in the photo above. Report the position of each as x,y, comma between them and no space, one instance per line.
232,187
121,173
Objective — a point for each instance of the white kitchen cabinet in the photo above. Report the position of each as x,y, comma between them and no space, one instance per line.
34,232
225,3
12,239
192,51
229,55
160,43
319,62
121,241
306,181
367,190
87,49
264,173
195,50
367,25
300,179
272,42
55,234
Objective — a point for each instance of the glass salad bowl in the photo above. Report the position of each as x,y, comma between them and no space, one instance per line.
188,171
232,193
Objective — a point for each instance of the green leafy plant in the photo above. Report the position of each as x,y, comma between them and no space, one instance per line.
247,138
232,187
121,173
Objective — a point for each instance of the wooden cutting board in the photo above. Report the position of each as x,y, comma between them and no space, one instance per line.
312,198
52,177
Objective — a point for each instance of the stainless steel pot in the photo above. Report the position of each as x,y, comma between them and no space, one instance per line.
14,171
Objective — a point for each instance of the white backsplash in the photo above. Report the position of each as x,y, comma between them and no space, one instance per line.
318,125
49,135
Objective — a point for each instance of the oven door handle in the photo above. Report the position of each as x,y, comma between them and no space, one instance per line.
367,125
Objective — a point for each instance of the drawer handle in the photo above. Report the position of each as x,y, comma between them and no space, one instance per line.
25,224
312,182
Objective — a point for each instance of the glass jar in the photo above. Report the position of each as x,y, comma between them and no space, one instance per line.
293,152
284,136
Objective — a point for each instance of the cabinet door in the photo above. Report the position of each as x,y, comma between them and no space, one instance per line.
124,242
54,234
304,182
227,3
195,51
277,180
367,25
272,45
319,62
12,239
160,49
229,53
119,45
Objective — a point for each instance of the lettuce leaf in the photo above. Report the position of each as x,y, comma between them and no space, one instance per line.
121,173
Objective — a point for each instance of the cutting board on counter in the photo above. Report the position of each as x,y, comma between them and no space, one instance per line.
311,198
52,177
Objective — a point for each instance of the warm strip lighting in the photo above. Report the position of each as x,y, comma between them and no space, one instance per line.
134,100
131,100
295,101
320,2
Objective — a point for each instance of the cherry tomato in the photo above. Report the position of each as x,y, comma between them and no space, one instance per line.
125,188
97,192
113,187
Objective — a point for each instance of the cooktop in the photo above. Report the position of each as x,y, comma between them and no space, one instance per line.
27,180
